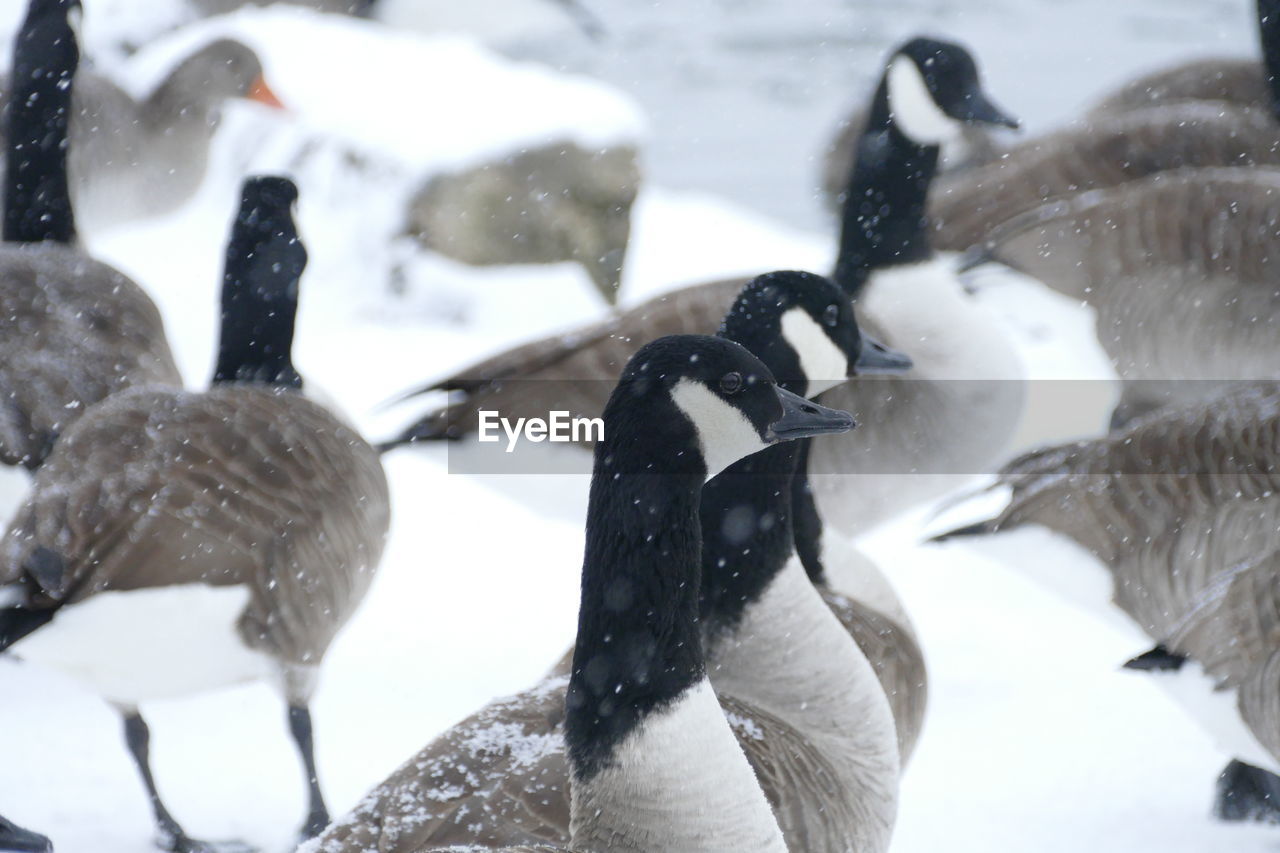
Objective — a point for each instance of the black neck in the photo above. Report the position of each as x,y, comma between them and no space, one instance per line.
638,645
884,220
37,198
257,338
807,521
746,533
264,262
1269,31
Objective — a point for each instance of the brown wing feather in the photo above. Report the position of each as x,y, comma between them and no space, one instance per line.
240,485
73,331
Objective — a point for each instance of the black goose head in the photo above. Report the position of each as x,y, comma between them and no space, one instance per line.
719,403
803,326
14,837
930,88
264,262
37,201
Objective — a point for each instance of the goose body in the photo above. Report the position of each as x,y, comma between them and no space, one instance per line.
804,701
1180,511
176,541
77,330
646,748
132,159
1179,256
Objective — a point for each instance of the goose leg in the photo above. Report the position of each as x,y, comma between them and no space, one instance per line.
300,728
1247,793
170,835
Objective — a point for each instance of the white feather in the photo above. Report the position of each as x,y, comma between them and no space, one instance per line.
724,432
824,364
914,110
136,645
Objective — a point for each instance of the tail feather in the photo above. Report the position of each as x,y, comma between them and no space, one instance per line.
978,528
434,426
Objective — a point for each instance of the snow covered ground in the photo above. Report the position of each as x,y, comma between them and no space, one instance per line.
1035,740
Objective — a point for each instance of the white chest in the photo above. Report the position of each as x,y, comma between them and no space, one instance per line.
924,311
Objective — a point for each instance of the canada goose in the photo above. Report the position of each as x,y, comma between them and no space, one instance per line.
965,370
1184,253
78,330
1239,82
547,204
138,158
638,704
1174,519
780,663
14,837
249,514
952,79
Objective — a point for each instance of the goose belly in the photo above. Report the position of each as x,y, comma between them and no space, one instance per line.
139,645
1216,712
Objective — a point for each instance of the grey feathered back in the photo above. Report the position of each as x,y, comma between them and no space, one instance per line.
1177,258
74,330
1099,152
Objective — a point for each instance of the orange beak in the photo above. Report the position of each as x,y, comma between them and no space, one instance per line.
262,93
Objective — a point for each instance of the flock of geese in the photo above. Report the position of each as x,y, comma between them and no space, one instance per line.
743,678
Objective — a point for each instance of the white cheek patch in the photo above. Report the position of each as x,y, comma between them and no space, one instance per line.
724,432
824,364
914,111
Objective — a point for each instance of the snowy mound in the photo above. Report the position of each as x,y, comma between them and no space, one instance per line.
430,103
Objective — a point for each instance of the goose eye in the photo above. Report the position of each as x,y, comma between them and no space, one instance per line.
731,383
831,316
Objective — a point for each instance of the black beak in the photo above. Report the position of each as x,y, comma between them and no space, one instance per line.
802,418
978,109
875,357
16,838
